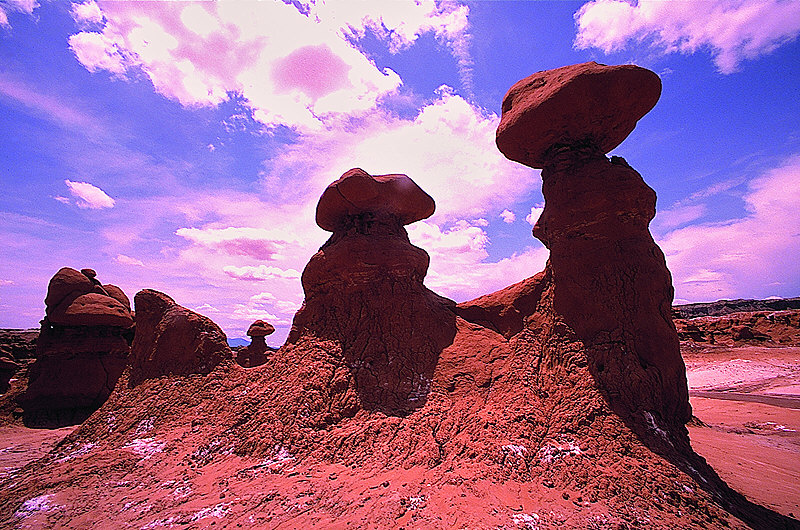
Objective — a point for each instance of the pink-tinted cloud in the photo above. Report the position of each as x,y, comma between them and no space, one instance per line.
260,272
508,216
734,30
127,260
20,6
536,212
751,256
257,243
293,69
89,196
87,12
315,70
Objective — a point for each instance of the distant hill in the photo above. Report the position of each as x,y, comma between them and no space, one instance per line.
724,307
238,342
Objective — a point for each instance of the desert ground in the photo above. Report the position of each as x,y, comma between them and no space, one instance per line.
745,399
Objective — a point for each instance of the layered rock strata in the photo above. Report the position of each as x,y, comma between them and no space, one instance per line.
610,283
364,292
81,350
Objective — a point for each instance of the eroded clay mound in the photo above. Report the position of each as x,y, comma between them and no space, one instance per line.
173,340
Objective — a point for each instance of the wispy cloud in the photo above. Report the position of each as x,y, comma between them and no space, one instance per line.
89,196
750,256
20,6
127,260
734,30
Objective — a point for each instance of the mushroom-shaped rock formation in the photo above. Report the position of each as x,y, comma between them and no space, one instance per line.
364,292
611,285
587,105
173,340
82,348
260,329
357,192
255,354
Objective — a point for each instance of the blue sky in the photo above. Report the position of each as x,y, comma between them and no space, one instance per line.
183,147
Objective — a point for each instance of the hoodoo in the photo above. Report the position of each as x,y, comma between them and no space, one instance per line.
255,353
364,292
82,349
611,285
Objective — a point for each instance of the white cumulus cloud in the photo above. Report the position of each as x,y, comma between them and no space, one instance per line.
733,30
508,216
295,67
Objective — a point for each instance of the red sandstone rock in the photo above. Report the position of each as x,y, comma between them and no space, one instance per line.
115,292
259,328
610,283
66,282
172,340
364,293
92,310
358,192
755,327
81,350
504,311
585,104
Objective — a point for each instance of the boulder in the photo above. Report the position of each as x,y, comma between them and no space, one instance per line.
172,340
358,192
117,294
259,328
66,282
92,309
588,104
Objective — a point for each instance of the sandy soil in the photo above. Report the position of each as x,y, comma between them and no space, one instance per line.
754,446
748,399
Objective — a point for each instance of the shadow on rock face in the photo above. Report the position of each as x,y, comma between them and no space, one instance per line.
611,289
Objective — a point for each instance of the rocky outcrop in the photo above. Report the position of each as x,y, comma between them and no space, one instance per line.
725,307
769,328
82,348
364,293
505,311
255,354
173,340
610,283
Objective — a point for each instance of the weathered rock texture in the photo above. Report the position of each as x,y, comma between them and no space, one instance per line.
611,286
82,349
587,105
549,404
255,354
173,340
364,295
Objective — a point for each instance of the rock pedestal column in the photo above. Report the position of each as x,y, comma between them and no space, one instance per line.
364,290
610,281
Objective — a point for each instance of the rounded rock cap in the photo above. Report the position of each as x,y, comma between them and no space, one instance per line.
89,273
92,309
259,328
587,104
358,192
